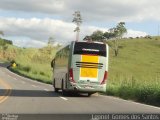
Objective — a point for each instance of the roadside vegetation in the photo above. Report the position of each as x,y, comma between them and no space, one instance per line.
134,74
31,62
35,63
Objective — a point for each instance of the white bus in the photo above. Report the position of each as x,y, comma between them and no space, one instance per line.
81,67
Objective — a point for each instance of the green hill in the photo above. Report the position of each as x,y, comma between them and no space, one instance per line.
5,42
32,62
7,50
35,63
133,74
138,58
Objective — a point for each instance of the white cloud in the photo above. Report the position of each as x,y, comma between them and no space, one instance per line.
37,29
135,33
95,10
44,6
35,32
29,43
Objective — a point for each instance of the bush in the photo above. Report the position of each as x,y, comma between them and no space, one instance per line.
24,68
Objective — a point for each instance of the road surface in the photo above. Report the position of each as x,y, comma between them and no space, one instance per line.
21,95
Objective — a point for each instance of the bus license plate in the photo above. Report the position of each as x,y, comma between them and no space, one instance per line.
88,87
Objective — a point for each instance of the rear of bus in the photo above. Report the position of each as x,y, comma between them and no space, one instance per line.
89,67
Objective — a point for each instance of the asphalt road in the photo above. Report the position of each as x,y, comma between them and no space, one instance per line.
19,95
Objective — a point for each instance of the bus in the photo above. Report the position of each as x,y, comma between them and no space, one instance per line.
81,67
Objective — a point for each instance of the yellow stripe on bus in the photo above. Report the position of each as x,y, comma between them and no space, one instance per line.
89,72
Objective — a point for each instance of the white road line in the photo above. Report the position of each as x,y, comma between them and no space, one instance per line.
46,89
34,86
64,98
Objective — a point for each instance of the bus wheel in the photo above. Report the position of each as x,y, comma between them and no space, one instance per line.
64,93
89,94
54,85
56,90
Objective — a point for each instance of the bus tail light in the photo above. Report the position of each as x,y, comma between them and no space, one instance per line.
71,75
104,78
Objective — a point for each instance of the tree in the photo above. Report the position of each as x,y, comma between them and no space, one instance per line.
117,33
50,44
51,41
77,20
97,36
120,29
86,38
109,35
2,33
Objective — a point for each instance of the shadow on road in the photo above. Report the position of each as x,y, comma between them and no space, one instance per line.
29,93
37,93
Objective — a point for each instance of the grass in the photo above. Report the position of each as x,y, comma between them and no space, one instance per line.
36,71
35,63
134,74
31,62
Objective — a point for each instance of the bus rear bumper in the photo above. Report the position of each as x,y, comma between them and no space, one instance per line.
88,88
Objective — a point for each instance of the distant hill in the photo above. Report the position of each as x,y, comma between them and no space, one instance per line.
138,57
7,50
135,72
4,42
32,62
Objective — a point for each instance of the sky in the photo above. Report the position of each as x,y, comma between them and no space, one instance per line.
30,23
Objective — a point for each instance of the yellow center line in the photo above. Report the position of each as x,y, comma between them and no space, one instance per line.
7,91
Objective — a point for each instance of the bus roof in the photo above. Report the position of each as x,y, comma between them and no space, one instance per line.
78,41
90,42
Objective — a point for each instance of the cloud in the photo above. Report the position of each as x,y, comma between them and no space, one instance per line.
134,33
37,29
42,29
34,32
47,6
29,43
102,10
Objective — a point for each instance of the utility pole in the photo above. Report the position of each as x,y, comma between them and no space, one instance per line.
77,20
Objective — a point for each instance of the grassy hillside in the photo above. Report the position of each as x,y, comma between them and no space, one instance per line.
35,63
133,74
32,62
4,42
7,50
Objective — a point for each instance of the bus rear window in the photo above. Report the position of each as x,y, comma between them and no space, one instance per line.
90,48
